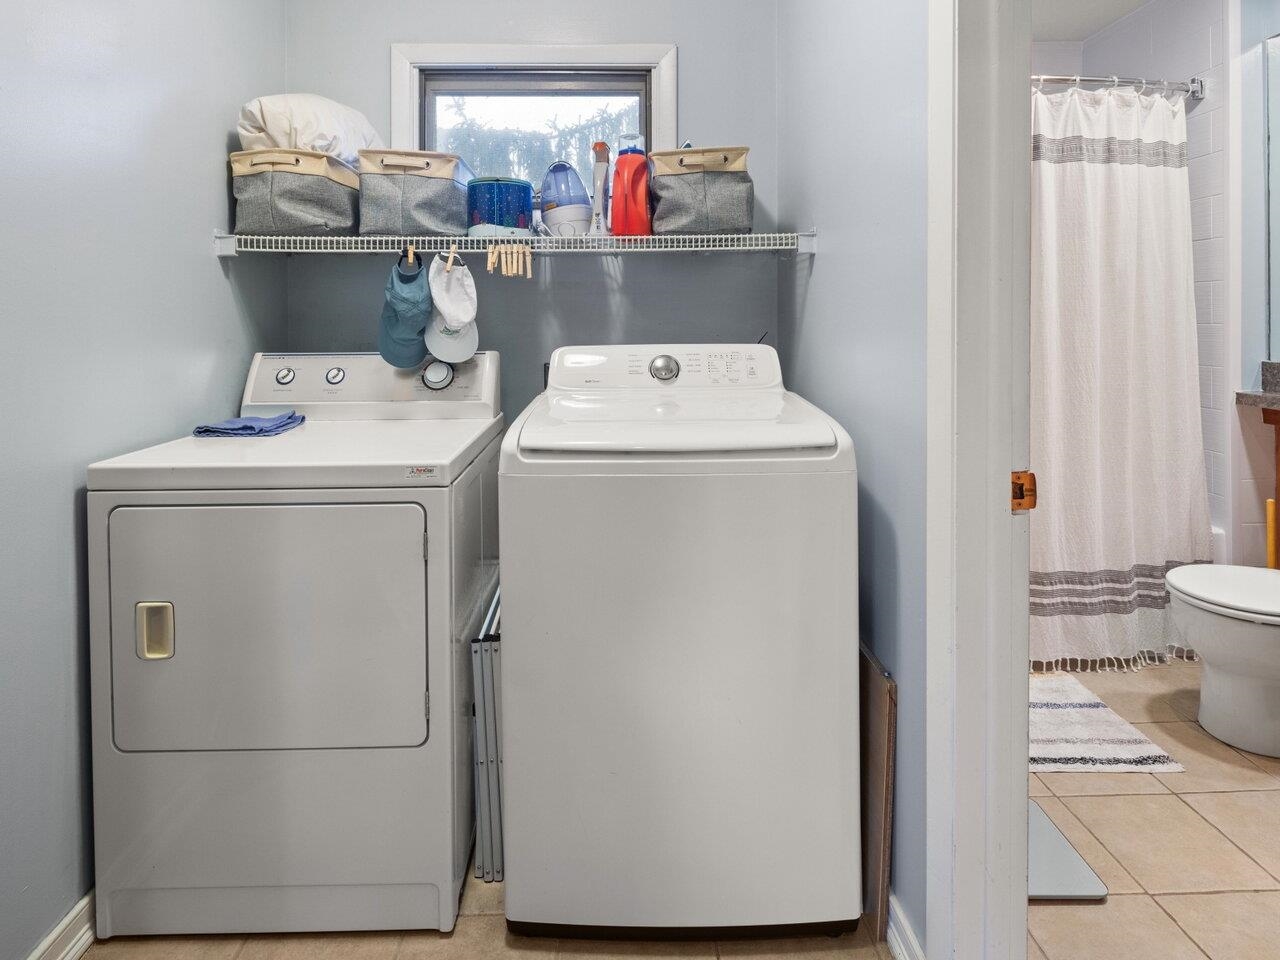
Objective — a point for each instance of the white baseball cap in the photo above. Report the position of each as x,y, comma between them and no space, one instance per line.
451,346
451,335
453,291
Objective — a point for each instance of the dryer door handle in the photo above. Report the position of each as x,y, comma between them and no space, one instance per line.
153,629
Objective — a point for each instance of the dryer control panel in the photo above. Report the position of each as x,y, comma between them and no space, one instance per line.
362,386
666,366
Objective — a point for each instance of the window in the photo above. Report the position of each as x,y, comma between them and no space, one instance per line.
517,122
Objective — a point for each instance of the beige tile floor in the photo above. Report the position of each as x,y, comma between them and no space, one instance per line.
1192,859
480,934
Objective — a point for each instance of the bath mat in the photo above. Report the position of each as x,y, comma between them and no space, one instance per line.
1073,731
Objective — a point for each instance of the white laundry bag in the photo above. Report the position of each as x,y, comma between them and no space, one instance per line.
306,121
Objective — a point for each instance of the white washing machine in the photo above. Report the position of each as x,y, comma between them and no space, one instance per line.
279,629
679,647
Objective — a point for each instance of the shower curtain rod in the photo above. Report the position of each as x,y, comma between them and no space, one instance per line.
1193,88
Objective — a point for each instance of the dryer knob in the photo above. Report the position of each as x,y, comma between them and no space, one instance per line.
437,375
664,367
284,376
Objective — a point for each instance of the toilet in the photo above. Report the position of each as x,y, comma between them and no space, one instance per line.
1230,616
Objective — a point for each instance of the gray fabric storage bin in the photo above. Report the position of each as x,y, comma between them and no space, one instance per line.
702,191
413,192
293,192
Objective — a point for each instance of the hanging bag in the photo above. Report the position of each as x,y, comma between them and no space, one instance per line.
303,192
413,193
702,191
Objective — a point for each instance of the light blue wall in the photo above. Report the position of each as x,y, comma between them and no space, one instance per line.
1057,57
151,333
727,95
852,147
119,329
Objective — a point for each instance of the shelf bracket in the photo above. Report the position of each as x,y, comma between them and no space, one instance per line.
807,243
224,244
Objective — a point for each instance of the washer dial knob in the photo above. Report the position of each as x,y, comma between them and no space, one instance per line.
335,375
284,376
437,375
664,367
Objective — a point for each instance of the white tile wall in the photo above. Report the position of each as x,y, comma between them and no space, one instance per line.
1178,39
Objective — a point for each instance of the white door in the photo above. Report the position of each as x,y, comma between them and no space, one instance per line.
268,627
979,430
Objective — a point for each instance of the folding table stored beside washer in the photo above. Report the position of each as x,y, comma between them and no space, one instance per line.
280,675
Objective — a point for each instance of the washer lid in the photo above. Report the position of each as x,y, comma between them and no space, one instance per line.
1250,590
684,421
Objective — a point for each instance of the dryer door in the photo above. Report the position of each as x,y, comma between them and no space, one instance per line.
268,627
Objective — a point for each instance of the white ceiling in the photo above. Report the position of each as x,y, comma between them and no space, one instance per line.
1076,19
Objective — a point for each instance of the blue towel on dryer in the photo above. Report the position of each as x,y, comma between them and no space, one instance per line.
250,426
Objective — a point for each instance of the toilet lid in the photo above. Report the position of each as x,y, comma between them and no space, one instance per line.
1249,590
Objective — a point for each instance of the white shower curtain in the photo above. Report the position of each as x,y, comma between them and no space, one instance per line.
1115,410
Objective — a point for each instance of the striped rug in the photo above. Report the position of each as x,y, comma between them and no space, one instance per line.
1072,730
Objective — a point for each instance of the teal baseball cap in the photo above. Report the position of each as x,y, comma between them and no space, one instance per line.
405,314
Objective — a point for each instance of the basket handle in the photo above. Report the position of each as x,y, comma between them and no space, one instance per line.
272,158
705,160
406,164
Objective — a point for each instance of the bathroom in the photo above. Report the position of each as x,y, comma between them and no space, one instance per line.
1154,779
893,275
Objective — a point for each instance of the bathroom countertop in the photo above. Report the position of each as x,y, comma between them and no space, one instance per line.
1258,398
1268,398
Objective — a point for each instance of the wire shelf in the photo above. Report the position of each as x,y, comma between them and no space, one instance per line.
229,245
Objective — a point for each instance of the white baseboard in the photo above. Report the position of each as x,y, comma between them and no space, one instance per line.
902,940
71,937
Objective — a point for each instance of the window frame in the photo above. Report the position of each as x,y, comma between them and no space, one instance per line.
409,60
530,82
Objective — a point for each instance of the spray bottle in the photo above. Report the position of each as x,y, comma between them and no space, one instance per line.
599,196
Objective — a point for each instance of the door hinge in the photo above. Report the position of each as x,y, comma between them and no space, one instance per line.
1022,496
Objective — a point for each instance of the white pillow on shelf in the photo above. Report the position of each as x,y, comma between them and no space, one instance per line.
306,121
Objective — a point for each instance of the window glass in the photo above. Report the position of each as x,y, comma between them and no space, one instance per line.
518,124
520,136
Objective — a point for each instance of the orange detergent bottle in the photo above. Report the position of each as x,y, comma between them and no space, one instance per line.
629,201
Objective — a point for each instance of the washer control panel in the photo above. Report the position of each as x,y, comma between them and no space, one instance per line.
664,367
671,365
362,386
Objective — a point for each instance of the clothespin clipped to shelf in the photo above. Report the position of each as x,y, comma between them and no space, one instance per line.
411,254
453,252
511,259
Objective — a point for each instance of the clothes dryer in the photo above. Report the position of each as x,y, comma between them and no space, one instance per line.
280,680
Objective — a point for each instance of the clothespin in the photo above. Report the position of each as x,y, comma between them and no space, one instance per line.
492,257
453,252
411,254
528,263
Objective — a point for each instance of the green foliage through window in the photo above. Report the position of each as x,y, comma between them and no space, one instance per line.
527,150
